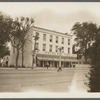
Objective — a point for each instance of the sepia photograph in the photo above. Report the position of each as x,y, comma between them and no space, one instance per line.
49,49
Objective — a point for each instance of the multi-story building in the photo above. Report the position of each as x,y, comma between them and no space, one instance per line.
48,46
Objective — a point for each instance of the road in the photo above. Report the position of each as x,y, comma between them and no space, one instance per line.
42,80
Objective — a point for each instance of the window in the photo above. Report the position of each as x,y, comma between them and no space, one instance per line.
56,48
37,45
62,49
62,40
68,41
50,49
44,37
44,47
68,50
51,38
56,39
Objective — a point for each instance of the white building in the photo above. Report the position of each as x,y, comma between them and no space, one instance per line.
48,43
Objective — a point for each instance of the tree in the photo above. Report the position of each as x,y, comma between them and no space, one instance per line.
19,36
4,51
74,49
26,28
94,54
85,33
5,29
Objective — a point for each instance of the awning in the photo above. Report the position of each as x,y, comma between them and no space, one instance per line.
56,59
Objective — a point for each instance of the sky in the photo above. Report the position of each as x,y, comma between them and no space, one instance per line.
58,16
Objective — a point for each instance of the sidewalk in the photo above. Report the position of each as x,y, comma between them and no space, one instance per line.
43,68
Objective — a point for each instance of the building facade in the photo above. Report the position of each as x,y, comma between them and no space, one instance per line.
47,51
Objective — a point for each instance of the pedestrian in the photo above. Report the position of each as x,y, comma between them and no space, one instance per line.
7,61
47,65
59,69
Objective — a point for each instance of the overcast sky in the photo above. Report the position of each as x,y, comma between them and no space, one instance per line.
57,16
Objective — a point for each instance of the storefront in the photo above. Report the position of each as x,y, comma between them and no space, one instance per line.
53,61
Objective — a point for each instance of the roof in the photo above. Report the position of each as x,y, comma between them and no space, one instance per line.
66,34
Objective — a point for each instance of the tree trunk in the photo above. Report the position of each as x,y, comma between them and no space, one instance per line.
33,55
17,56
22,56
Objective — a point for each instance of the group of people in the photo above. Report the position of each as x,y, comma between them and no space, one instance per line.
59,68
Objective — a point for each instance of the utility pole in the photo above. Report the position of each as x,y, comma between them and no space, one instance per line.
36,37
60,49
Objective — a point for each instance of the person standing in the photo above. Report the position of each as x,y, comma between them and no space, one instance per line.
7,60
59,69
47,65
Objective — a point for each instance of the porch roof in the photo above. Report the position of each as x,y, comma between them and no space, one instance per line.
56,58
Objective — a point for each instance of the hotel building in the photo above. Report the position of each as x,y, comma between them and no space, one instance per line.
48,46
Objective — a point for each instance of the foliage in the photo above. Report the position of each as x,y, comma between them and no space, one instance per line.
85,33
73,49
19,36
4,51
94,53
16,31
90,33
5,30
21,27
